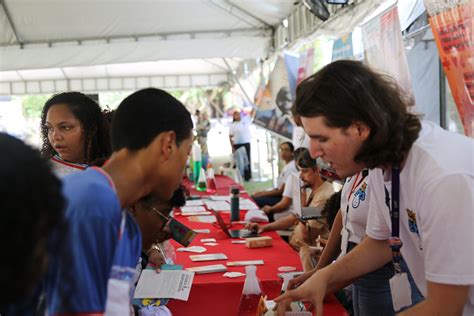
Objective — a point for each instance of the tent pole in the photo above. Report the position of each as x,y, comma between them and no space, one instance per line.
442,96
231,72
9,19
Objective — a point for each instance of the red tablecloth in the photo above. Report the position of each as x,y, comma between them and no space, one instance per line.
213,294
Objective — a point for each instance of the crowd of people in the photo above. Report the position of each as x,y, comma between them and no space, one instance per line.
94,204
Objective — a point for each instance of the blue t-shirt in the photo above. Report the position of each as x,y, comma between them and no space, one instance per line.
97,247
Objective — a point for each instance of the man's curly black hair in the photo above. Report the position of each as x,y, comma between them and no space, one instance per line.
31,206
93,121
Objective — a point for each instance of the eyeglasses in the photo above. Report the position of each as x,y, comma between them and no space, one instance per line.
166,219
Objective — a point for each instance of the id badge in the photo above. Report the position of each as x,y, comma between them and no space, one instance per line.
401,291
181,233
344,241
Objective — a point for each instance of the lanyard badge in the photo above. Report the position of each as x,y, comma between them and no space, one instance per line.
399,285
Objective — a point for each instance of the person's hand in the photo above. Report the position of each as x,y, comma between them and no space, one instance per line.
267,209
297,281
314,290
282,307
254,227
257,194
156,258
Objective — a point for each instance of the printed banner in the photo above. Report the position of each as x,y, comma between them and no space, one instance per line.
342,48
274,102
384,49
305,68
292,64
452,26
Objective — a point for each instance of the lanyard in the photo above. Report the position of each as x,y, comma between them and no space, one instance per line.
394,241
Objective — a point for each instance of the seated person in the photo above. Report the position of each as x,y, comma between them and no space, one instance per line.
321,190
271,197
284,204
31,207
310,255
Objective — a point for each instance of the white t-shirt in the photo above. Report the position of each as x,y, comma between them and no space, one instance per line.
63,168
287,170
354,218
436,210
288,190
240,131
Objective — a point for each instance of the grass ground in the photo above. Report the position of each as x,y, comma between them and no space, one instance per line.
256,186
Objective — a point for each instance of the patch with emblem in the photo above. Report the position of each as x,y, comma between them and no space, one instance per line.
413,227
412,222
359,195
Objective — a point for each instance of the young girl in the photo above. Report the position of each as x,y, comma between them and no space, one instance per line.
74,132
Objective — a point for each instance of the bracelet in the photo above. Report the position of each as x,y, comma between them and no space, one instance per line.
153,247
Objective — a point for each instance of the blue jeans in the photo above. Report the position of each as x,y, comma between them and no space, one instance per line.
371,295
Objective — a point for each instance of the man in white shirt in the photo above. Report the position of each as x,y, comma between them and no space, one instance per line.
359,119
273,196
239,136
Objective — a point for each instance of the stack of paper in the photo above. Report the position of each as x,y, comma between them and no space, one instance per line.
220,197
194,202
246,204
166,284
194,210
218,205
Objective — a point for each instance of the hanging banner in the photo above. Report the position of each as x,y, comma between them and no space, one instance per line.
274,102
292,64
384,49
342,48
305,68
452,25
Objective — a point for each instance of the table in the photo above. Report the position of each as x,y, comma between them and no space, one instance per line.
213,294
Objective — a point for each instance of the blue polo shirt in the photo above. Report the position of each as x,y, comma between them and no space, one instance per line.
102,242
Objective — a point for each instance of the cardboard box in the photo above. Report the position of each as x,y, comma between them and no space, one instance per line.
259,242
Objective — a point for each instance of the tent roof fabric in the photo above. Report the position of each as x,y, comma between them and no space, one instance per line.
64,39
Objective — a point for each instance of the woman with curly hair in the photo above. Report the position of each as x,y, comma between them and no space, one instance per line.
74,132
31,207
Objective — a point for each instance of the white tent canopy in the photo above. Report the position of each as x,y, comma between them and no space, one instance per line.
95,45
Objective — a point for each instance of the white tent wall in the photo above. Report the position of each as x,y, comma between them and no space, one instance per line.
44,41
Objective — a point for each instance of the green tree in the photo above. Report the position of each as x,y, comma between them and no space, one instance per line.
33,104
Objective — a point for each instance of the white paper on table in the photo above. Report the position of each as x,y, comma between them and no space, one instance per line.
246,204
192,209
202,231
233,274
208,269
244,263
218,205
195,249
196,213
166,284
208,257
194,202
220,197
208,240
205,219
